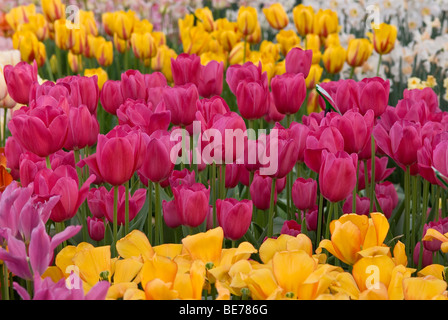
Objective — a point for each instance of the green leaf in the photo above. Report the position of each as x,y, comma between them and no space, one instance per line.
329,102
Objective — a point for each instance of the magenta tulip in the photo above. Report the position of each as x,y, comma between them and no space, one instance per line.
304,193
373,95
252,99
111,96
427,256
155,79
426,94
237,73
260,191
83,91
273,116
382,172
96,201
19,79
96,228
298,60
337,175
234,217
42,130
189,207
181,101
440,157
289,92
211,79
133,85
185,69
179,177
136,203
83,128
362,205
291,227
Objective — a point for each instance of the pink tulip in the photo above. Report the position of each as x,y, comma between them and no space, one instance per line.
95,228
346,95
234,217
298,60
237,73
179,177
13,150
440,157
387,188
211,79
311,218
111,96
289,92
136,203
273,116
208,108
373,95
337,175
133,85
144,116
252,99
82,91
48,93
155,79
442,227
185,69
382,172
189,207
412,110
96,201
386,204
119,154
300,133
401,143
427,94
62,181
427,256
304,193
233,171
19,79
291,227
362,205
42,130
260,190
83,128
157,165
181,101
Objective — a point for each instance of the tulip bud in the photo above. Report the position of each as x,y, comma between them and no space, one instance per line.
53,9
289,92
299,61
276,16
111,96
358,51
143,45
326,22
95,228
303,19
234,217
104,53
384,38
247,20
304,193
334,59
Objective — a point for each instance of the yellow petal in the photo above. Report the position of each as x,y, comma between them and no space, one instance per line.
92,262
64,258
205,246
379,293
423,288
158,267
347,249
270,246
134,294
169,250
346,284
223,292
135,244
395,289
381,226
400,256
126,270
158,290
117,291
435,270
300,242
261,283
368,272
54,273
375,251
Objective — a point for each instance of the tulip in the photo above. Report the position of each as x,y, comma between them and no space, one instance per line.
334,58
248,71
42,130
426,258
189,207
313,43
426,94
143,45
210,81
234,217
96,201
326,22
62,181
123,24
440,156
181,101
287,39
157,165
291,227
136,203
19,79
362,205
289,92
104,53
381,174
314,76
299,61
304,192
185,69
260,191
337,175
181,177
143,116
252,99
300,133
303,19
358,52
247,20
373,94
83,128
127,150
53,9
384,38
276,16
83,90
100,74
133,85
273,116
111,96
208,108
435,244
381,263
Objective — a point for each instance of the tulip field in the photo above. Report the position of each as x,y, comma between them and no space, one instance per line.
223,150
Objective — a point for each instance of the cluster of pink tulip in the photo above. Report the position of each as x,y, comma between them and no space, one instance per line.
333,160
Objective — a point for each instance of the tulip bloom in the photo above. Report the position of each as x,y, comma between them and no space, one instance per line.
236,73
326,22
298,60
133,85
95,228
363,232
210,81
289,92
252,99
143,45
384,38
260,190
373,95
181,101
83,128
118,156
276,16
189,207
234,217
19,79
53,9
337,175
440,157
304,193
136,203
247,20
111,96
185,69
334,58
303,19
358,52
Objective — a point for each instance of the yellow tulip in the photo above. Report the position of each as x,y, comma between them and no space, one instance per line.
284,243
28,45
395,288
363,232
143,26
303,19
314,76
344,283
143,45
205,17
195,40
236,56
123,24
255,37
227,39
426,288
186,23
93,262
135,244
263,285
189,285
159,38
247,20
120,44
53,9
87,20
332,39
158,267
280,68
100,73
38,25
313,102
19,15
358,51
205,246
312,42
206,57
271,49
326,22
400,257
104,53
79,36
334,59
276,16
287,40
107,20
384,38
432,234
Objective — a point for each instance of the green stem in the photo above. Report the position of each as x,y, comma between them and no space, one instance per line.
271,210
319,220
414,209
223,181
4,282
213,193
5,115
115,225
355,190
407,209
149,218
126,208
158,215
244,49
352,72
48,162
366,179
379,65
372,174
329,217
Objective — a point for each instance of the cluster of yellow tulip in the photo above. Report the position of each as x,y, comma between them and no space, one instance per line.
285,267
